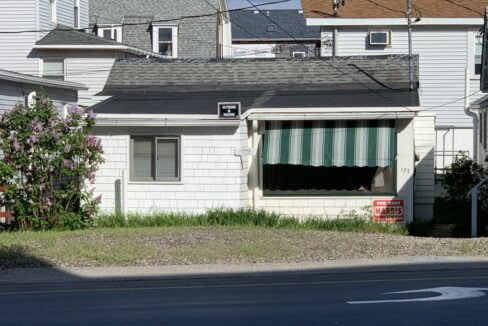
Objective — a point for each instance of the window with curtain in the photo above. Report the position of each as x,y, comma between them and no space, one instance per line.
329,157
165,40
155,158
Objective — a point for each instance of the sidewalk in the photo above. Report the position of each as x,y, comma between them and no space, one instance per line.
97,274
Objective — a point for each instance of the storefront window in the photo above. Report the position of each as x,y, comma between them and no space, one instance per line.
329,157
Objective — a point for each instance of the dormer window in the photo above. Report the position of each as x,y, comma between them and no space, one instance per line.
165,40
52,10
111,32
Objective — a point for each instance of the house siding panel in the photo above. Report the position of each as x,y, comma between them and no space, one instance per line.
14,48
212,176
443,52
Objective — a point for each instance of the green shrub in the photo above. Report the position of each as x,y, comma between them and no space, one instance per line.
455,206
47,161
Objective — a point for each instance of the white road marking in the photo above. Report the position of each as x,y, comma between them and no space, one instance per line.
446,293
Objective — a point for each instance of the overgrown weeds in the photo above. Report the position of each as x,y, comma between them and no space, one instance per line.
247,218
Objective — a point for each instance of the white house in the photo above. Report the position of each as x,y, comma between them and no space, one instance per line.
444,35
77,40
293,136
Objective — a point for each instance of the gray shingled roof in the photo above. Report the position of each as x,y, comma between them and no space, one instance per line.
66,36
250,24
34,80
379,72
114,11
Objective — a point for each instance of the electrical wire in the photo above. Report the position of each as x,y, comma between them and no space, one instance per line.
142,23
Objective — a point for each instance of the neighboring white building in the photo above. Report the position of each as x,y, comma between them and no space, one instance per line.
307,141
54,39
444,35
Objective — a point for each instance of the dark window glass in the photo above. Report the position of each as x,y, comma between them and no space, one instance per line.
107,34
155,159
284,179
379,37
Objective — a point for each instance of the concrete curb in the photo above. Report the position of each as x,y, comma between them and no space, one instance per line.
97,274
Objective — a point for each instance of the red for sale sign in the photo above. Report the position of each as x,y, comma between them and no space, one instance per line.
389,210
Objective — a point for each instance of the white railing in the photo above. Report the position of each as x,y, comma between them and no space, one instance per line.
474,207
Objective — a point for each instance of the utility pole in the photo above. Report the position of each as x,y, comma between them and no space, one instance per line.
410,64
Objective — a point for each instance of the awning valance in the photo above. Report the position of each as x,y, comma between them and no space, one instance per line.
330,143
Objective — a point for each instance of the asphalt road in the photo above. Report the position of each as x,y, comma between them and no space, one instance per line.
273,299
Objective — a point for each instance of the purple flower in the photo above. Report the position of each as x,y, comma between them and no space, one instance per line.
36,125
91,176
75,110
91,115
69,164
33,139
98,199
16,145
93,141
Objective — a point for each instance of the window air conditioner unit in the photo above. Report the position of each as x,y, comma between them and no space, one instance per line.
377,37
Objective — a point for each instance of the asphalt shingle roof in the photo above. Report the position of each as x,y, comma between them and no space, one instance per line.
379,72
396,8
114,11
250,24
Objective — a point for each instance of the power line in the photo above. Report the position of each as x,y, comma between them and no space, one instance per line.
142,23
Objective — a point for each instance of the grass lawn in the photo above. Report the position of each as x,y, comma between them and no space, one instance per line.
123,246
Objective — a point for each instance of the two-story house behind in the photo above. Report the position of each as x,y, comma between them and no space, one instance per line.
445,35
273,34
174,29
52,38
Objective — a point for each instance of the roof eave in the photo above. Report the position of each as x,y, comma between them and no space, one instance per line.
46,83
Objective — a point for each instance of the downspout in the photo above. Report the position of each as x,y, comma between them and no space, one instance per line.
474,116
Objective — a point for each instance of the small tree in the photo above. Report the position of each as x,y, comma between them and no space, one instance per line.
46,162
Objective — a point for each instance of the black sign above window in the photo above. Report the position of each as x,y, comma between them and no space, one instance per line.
229,110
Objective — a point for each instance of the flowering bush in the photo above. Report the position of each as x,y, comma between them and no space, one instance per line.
47,163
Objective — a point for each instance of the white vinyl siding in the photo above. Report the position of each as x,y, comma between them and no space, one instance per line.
444,55
18,15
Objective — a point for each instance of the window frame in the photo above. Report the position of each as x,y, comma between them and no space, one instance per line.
471,60
63,64
53,11
388,35
113,29
297,52
174,39
154,178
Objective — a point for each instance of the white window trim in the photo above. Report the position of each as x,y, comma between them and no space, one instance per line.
296,52
53,14
180,147
77,5
174,36
41,66
113,28
388,33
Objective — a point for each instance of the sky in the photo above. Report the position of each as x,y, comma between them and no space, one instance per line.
291,4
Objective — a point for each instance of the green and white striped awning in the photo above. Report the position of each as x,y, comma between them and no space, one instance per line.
330,143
